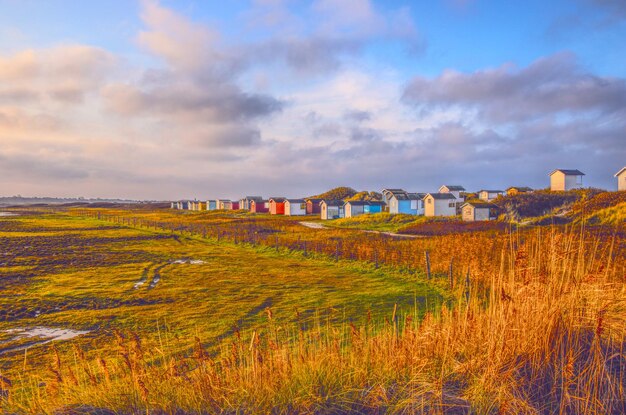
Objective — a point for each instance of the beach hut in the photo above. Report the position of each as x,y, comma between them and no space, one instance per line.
515,190
331,209
210,205
489,195
355,208
225,204
277,206
245,202
563,179
313,206
373,206
621,179
399,201
295,207
259,206
388,194
475,211
453,189
440,204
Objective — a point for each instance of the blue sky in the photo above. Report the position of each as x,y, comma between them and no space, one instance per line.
172,99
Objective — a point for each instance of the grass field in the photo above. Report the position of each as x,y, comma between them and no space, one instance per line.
229,313
79,273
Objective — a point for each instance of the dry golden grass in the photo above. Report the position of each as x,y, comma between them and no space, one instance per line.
540,329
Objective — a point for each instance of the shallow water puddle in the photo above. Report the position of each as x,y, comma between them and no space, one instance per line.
40,335
189,261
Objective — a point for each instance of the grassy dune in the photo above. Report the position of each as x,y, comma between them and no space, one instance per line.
533,321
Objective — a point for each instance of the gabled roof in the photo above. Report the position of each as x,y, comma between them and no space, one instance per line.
620,172
393,191
491,191
313,199
520,188
453,188
295,200
252,198
277,199
376,203
357,202
333,202
441,195
568,172
480,205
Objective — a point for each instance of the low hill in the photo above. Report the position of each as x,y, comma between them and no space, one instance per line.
365,195
542,202
338,193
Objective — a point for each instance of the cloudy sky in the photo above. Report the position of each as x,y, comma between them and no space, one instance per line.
201,98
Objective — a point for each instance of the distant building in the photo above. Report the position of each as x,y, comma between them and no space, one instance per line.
331,209
295,207
455,190
561,180
621,179
228,205
184,205
475,211
388,194
489,195
355,208
219,203
400,201
440,204
515,190
277,206
313,206
259,206
374,206
174,205
245,202
210,205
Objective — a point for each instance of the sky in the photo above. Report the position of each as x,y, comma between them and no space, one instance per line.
165,100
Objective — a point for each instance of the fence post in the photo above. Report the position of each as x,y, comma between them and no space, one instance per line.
451,273
427,264
467,285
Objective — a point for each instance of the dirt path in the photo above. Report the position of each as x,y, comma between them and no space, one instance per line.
313,225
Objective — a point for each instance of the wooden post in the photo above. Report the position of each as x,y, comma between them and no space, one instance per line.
467,285
427,264
451,273
337,253
376,260
304,247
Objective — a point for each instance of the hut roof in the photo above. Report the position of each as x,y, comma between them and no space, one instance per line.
568,172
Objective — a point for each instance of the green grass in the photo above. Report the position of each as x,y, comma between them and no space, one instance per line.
80,273
614,215
383,222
